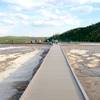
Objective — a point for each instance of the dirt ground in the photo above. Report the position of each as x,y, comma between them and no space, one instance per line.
85,60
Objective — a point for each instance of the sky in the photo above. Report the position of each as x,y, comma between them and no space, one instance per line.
40,18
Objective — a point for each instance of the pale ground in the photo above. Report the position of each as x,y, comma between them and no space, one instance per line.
85,59
17,64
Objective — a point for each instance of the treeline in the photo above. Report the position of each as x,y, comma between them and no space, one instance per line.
85,34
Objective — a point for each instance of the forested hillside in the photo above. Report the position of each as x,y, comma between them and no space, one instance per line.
86,34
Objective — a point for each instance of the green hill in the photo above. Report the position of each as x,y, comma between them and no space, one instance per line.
85,34
20,40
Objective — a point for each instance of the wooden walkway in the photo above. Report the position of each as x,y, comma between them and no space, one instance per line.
53,80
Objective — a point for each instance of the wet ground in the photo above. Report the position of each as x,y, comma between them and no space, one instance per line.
9,53
18,63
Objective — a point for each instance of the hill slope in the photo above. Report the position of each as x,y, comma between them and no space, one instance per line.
87,34
19,40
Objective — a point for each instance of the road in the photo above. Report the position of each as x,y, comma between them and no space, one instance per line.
54,80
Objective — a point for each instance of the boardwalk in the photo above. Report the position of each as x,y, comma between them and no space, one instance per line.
53,81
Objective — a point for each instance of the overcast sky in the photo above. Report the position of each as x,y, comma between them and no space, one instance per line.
46,17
